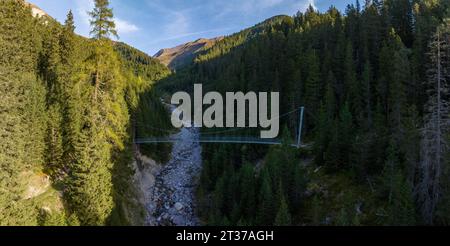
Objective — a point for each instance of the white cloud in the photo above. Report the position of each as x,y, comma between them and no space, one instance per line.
303,5
178,22
252,7
124,26
83,7
189,34
255,5
260,4
178,25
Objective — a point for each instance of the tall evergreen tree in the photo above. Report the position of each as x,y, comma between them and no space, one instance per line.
102,22
397,97
402,19
312,84
352,85
367,80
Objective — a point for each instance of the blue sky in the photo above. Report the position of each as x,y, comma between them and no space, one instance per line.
151,25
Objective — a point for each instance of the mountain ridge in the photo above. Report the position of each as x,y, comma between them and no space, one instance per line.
182,54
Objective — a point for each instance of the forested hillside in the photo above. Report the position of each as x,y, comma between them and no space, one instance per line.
66,119
374,81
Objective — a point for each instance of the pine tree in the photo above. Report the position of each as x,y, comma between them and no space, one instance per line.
400,75
50,69
352,86
67,42
102,20
324,126
330,97
367,92
402,19
384,78
72,103
89,186
425,24
312,84
54,140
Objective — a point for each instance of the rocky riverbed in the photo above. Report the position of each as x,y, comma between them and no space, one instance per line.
172,198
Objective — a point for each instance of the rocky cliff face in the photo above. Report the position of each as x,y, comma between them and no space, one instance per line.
36,11
184,54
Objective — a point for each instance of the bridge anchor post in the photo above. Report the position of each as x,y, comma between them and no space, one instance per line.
300,127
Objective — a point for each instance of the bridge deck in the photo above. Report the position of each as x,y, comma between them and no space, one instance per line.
231,139
236,140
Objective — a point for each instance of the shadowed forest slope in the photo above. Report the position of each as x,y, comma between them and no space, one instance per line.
368,79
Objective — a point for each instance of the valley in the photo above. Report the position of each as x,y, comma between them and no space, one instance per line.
173,201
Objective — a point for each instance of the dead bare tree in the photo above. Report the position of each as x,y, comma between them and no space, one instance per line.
434,144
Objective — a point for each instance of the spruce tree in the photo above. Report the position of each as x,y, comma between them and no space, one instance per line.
312,84
72,103
402,19
50,69
397,97
352,85
367,80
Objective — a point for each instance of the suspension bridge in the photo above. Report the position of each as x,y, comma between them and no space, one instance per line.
215,137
